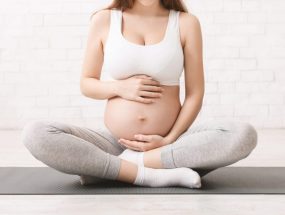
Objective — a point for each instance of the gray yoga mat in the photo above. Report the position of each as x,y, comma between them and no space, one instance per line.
225,180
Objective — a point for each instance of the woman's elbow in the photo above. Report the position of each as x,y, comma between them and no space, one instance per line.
82,86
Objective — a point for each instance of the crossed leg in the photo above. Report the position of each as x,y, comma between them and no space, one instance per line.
206,146
94,153
74,149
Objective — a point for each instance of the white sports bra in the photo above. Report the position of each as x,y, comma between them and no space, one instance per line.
163,61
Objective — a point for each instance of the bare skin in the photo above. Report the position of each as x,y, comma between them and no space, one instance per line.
128,170
152,158
92,87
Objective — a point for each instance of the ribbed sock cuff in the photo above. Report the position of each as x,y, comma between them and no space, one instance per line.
140,176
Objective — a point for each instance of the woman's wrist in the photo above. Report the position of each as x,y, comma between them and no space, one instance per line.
117,87
168,140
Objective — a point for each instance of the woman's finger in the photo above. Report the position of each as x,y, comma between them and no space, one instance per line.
150,94
152,88
132,144
144,100
150,82
126,145
142,137
133,148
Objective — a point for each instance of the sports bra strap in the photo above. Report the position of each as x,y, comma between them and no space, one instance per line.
176,20
116,18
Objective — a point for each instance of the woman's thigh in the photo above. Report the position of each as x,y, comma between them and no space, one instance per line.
208,125
99,137
210,144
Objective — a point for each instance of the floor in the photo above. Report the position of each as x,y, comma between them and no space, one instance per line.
269,152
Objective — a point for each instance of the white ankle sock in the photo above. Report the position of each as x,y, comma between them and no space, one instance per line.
132,156
182,176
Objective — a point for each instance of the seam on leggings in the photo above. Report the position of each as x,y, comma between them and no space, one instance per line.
108,137
98,133
55,128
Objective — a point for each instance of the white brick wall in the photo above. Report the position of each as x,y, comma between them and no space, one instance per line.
42,45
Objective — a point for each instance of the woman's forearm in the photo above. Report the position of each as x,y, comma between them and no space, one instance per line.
98,89
186,117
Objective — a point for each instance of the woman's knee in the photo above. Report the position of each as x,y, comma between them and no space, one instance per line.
247,138
34,135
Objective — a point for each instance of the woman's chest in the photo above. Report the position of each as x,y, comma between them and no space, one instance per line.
121,61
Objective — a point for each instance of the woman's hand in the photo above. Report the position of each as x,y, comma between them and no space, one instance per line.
144,142
139,86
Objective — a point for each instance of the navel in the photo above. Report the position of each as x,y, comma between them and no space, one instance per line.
141,117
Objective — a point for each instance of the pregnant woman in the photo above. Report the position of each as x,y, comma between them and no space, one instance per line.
149,138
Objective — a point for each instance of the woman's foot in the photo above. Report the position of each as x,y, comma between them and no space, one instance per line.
182,176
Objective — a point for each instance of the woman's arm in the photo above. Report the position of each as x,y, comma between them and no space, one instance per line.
194,77
90,83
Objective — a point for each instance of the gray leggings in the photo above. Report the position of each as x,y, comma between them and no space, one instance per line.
78,150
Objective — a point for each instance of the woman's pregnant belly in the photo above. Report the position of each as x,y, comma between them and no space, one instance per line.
125,118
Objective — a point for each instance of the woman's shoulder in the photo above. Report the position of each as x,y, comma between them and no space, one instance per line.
100,21
187,18
189,25
101,16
